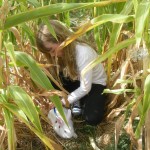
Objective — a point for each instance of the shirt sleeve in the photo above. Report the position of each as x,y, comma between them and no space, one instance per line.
83,59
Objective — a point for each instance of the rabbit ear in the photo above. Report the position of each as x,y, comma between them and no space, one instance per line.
68,114
52,116
58,124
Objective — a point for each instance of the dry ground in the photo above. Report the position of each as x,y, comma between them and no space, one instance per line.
89,138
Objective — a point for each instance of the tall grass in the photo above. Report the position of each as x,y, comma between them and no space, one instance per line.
118,26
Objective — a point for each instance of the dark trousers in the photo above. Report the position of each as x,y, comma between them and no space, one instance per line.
93,103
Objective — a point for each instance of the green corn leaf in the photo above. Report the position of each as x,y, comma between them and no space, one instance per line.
145,107
115,18
116,33
4,101
140,109
146,101
97,39
111,51
29,33
141,17
9,120
129,107
10,48
50,10
20,115
34,3
1,72
118,91
117,27
122,81
40,12
39,78
50,28
1,36
135,3
37,74
2,98
45,19
25,103
67,18
96,12
143,1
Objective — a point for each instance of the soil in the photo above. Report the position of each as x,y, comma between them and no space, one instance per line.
89,137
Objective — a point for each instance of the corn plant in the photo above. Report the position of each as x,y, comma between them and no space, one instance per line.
118,26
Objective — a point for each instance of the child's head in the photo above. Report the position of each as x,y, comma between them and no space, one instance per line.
48,45
46,42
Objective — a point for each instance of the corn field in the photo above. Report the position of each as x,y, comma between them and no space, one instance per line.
120,31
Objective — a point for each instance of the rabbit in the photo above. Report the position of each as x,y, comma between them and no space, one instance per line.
59,126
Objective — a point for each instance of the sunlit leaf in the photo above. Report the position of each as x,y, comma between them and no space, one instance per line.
50,28
34,3
97,39
145,107
115,18
50,10
135,3
9,120
17,112
122,81
29,33
146,100
147,131
37,74
141,14
112,50
26,104
117,27
10,48
1,71
118,91
39,77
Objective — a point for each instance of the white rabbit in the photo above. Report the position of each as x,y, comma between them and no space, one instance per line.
59,126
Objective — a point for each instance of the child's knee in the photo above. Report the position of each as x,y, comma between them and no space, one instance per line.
93,120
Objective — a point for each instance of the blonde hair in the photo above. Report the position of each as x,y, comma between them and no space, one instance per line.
67,63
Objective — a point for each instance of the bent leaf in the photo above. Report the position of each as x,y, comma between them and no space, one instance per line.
26,104
1,71
37,74
39,77
51,10
142,14
115,18
9,120
112,50
118,91
18,113
145,107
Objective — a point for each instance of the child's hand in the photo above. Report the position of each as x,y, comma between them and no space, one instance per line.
51,106
65,103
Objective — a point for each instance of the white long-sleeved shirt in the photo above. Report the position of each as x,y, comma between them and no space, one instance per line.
84,55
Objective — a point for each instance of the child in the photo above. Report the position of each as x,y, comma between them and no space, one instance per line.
86,91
